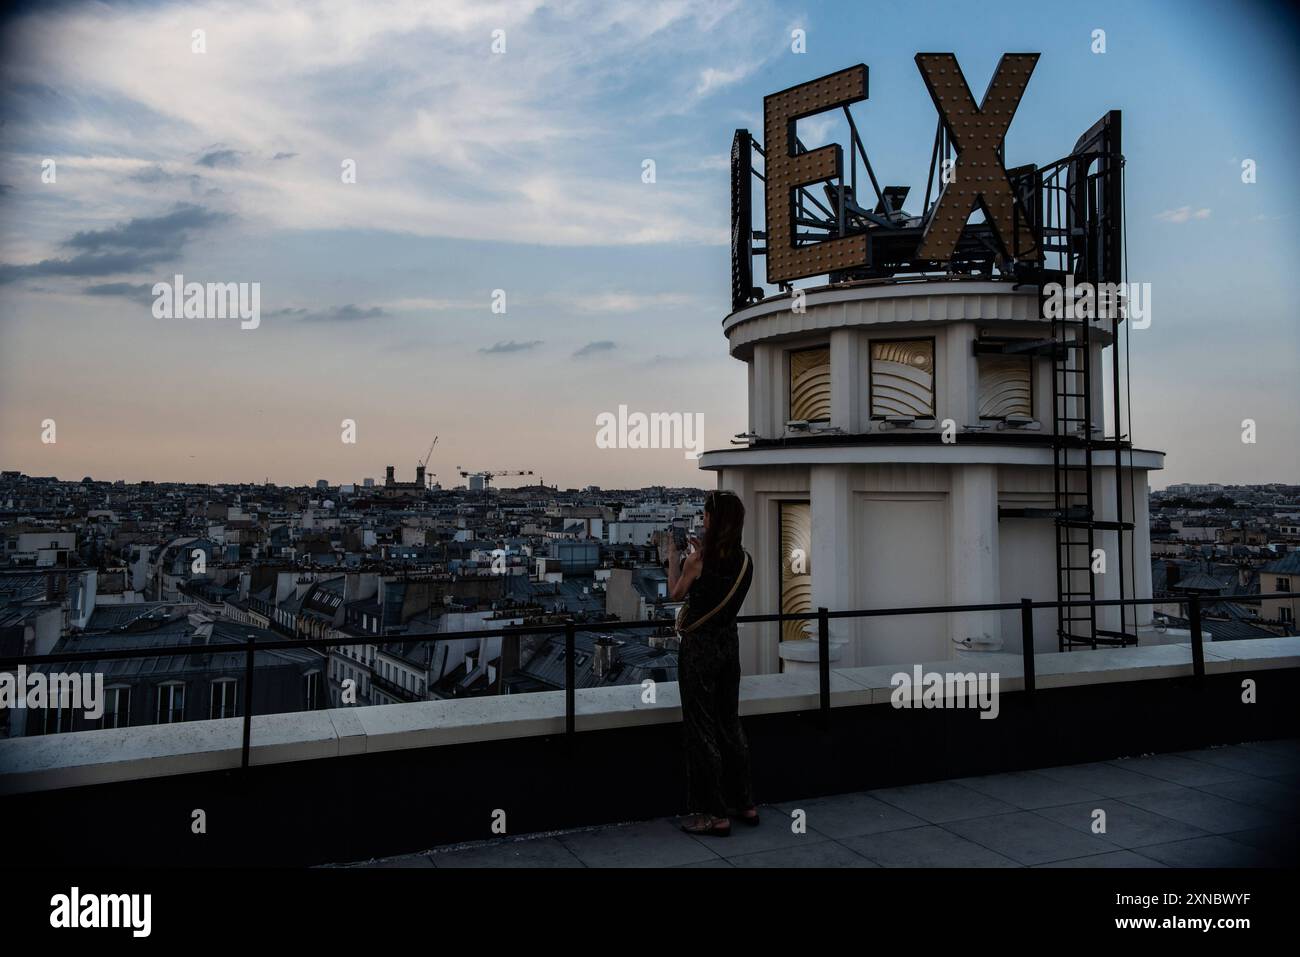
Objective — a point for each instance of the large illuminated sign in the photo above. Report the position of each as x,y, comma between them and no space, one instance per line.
786,171
977,132
979,177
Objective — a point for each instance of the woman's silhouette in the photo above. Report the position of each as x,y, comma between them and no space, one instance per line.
713,579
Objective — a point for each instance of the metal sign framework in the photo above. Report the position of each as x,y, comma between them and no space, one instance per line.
1025,212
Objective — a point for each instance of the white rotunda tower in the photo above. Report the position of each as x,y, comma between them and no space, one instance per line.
936,412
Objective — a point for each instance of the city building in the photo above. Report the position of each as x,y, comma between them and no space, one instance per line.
926,418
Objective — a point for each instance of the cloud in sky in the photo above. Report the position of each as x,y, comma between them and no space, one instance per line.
712,79
1182,214
218,158
513,147
148,233
595,348
623,301
511,346
137,244
156,174
346,313
429,304
126,290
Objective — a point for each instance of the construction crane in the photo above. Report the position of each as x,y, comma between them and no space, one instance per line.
487,475
424,462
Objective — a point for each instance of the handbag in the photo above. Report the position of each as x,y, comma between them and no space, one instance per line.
681,612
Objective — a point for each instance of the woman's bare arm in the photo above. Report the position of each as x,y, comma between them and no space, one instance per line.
681,578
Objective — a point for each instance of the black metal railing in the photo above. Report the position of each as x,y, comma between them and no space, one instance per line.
569,628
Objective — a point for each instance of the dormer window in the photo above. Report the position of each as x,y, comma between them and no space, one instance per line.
222,702
171,702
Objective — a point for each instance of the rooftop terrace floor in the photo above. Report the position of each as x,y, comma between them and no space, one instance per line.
1232,806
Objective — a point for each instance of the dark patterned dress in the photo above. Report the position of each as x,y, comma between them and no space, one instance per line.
708,673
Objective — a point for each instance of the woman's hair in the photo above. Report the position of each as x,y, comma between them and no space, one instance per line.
722,537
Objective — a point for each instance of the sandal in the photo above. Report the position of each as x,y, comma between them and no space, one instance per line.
704,825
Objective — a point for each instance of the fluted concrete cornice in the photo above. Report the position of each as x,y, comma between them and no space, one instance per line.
934,301
931,454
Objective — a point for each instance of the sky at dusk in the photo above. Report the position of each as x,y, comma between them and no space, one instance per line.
522,171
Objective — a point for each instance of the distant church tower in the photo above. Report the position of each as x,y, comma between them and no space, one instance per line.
932,420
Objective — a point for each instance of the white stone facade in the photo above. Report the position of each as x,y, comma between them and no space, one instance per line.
899,517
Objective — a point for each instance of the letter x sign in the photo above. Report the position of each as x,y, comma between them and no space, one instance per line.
977,133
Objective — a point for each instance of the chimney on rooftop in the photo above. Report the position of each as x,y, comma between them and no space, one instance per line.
56,586
605,656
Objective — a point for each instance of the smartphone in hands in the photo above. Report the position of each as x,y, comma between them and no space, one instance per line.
671,535
679,538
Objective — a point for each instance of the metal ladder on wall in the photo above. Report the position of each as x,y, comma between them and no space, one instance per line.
1077,218
1072,448
1076,436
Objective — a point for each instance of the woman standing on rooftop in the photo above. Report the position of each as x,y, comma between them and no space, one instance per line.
713,579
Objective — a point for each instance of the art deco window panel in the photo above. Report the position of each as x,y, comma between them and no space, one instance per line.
902,378
1006,386
810,385
796,568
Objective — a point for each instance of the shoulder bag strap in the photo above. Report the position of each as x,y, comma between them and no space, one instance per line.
744,568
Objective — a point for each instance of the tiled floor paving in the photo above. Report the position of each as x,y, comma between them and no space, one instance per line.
1232,806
